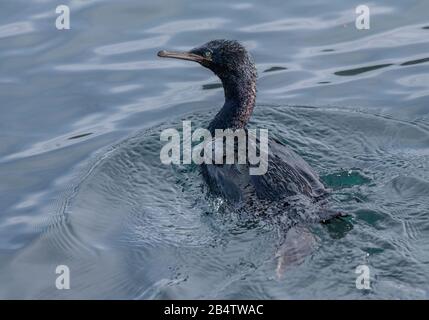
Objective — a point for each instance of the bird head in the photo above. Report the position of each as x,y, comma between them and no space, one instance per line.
226,58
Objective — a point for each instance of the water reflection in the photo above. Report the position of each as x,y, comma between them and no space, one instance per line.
74,188
353,72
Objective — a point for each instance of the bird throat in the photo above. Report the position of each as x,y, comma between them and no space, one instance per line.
240,97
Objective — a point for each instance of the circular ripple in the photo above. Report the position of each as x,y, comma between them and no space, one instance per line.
149,230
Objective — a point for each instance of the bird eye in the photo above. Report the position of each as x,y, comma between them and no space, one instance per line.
207,54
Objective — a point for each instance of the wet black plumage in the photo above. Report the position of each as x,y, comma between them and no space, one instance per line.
288,175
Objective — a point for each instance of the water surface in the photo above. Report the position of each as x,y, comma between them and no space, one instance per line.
80,179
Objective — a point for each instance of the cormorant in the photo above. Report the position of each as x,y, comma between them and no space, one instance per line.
290,192
288,176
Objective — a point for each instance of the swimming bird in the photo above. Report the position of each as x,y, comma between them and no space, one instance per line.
289,179
288,174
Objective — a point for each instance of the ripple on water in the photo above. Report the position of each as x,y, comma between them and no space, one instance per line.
148,230
15,29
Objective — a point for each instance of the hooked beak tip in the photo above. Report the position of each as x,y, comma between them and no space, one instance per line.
181,55
162,53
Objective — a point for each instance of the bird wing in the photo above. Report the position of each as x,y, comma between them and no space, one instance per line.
287,175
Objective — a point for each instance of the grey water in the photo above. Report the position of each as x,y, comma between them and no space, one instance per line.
82,185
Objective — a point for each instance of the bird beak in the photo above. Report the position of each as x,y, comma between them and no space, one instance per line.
181,55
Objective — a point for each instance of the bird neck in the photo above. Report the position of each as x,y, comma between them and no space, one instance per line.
240,97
